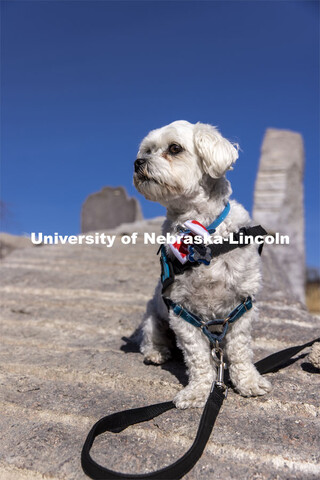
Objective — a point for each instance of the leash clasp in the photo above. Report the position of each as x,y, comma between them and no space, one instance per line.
221,367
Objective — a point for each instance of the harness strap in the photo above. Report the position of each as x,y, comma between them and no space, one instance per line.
212,227
172,267
119,421
215,224
197,321
226,246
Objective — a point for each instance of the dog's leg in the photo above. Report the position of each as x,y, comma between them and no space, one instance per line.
155,344
199,361
244,375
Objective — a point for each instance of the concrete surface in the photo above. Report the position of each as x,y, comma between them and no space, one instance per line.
66,360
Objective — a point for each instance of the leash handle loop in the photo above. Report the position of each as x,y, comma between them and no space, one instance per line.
119,421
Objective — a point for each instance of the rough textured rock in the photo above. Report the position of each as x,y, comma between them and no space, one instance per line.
314,355
9,242
109,208
278,200
66,360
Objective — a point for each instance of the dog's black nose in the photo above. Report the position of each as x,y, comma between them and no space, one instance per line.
138,163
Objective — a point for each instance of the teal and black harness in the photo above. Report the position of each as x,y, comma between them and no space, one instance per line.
203,254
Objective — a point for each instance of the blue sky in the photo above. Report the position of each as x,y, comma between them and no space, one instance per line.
84,81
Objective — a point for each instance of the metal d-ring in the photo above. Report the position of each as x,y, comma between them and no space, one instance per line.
226,320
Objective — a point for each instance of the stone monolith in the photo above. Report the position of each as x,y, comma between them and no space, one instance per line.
109,208
278,201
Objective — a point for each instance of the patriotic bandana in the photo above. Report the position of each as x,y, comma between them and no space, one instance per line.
180,249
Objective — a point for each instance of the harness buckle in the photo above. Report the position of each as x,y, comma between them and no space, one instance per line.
244,304
181,310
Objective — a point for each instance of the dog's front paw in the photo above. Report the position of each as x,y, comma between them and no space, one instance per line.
192,396
248,381
254,388
157,357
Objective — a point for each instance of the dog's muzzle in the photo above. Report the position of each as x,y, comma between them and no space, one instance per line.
138,164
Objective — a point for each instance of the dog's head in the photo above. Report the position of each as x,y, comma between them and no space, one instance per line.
173,160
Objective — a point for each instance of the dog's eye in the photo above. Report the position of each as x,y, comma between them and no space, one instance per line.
174,148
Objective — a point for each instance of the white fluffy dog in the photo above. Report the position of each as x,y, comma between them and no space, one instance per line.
183,166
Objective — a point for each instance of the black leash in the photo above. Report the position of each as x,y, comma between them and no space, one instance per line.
119,421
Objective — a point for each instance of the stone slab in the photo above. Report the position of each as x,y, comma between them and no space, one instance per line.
66,360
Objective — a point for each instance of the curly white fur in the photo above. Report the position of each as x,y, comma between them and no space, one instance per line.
191,185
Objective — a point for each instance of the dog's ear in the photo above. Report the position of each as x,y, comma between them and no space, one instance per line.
217,153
